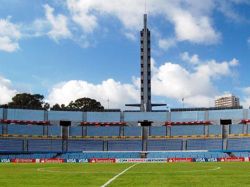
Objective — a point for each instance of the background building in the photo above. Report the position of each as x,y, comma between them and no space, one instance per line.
228,100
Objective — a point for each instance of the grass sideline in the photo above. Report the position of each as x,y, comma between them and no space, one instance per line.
142,175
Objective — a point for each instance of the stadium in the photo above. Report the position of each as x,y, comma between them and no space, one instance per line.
33,136
146,147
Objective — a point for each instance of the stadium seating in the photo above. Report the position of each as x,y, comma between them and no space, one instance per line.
25,129
24,137
204,144
187,130
214,129
103,131
124,145
44,145
236,129
54,130
239,144
158,131
132,131
198,154
14,145
164,145
85,145
75,131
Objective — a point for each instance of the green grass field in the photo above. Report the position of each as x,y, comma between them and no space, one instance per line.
141,175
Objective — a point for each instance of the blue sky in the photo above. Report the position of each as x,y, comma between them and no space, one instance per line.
67,49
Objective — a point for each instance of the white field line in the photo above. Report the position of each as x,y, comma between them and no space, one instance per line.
119,174
198,170
57,170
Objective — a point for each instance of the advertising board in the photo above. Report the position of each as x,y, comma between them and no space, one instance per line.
102,160
21,160
140,160
180,160
232,159
4,160
52,160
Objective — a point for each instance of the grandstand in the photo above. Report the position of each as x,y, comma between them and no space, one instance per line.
37,134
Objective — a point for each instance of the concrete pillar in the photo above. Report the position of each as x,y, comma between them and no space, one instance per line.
206,130
225,132
45,130
121,131
245,126
65,125
184,144
84,131
5,117
145,132
105,145
168,130
25,145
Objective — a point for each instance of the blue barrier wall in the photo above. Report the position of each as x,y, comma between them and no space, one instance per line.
17,114
188,116
140,116
103,117
63,115
39,115
225,114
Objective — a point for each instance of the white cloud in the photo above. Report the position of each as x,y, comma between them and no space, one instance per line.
191,19
9,36
118,94
246,97
234,62
130,36
168,80
248,40
194,59
194,29
58,23
6,91
165,44
196,86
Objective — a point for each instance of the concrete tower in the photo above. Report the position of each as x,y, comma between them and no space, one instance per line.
145,68
145,56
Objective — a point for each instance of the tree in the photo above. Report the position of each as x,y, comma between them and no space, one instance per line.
87,104
82,104
26,100
56,107
46,106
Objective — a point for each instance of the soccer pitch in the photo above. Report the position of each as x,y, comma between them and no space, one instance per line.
138,175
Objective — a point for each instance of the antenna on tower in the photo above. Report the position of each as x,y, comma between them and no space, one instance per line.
145,6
